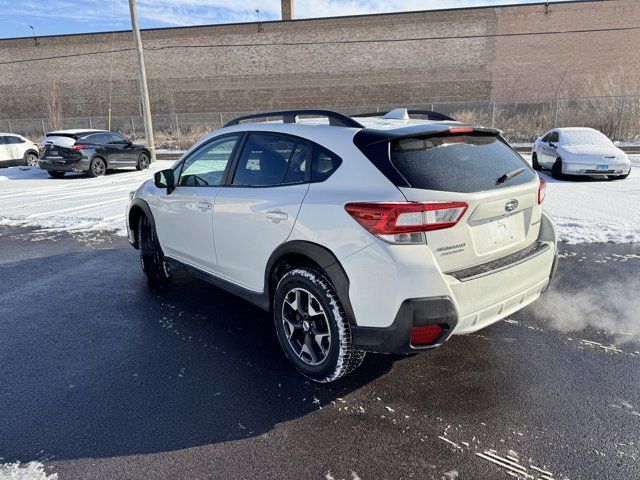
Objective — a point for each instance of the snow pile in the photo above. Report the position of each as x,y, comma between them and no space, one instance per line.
585,210
73,203
589,210
27,471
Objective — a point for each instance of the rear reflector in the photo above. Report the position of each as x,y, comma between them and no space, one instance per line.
542,190
425,335
397,222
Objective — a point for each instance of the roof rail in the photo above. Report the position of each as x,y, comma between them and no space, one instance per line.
426,113
291,116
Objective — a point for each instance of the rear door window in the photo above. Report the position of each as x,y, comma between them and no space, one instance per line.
96,138
458,163
264,160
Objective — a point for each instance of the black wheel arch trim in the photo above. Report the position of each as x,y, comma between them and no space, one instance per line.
325,259
144,206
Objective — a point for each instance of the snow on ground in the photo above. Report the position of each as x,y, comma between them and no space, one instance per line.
26,471
30,197
590,210
585,210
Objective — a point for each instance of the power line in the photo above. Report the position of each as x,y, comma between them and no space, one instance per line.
339,42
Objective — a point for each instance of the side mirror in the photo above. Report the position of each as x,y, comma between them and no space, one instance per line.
165,179
552,145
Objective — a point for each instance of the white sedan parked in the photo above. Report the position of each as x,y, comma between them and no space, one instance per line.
17,150
579,151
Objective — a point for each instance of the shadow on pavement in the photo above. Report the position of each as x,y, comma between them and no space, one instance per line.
94,364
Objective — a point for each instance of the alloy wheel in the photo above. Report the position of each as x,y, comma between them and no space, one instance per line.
306,326
32,160
144,162
98,167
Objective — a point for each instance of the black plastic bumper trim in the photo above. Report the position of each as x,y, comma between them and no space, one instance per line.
477,271
414,312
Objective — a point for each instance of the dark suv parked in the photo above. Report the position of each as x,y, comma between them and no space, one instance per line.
90,151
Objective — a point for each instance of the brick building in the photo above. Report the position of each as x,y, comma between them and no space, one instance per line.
492,53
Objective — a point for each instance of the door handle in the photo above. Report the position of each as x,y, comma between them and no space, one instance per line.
203,206
277,215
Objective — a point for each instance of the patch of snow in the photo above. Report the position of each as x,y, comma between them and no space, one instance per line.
588,211
75,203
25,471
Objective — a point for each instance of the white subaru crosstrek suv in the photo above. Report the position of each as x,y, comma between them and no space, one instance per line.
377,234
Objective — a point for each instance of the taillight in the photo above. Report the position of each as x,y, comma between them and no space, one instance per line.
75,148
542,190
405,222
426,335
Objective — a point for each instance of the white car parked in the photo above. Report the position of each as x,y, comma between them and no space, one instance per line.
579,151
17,150
384,234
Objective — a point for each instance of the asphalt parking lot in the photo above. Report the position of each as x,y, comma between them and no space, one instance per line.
102,378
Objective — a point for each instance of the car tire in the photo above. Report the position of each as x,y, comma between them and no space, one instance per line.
556,170
534,163
154,266
312,327
143,162
56,174
97,167
31,159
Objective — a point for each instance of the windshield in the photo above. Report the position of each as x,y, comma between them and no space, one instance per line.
584,137
459,163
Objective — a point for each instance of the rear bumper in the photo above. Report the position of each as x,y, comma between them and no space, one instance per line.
442,311
64,165
393,289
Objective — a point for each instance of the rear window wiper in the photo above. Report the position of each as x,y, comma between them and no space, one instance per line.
510,175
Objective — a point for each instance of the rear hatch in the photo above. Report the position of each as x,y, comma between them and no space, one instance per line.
59,146
479,169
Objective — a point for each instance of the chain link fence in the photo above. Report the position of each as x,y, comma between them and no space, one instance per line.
522,122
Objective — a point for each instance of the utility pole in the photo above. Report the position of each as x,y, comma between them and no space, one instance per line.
142,74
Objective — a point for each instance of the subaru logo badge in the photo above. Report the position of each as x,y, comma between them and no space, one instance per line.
511,205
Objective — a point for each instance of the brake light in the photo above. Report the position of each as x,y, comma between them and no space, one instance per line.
405,222
542,190
425,335
75,148
461,130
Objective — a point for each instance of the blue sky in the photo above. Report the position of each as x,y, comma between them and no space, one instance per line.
52,17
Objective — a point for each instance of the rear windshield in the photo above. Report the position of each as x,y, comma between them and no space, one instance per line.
59,140
458,163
